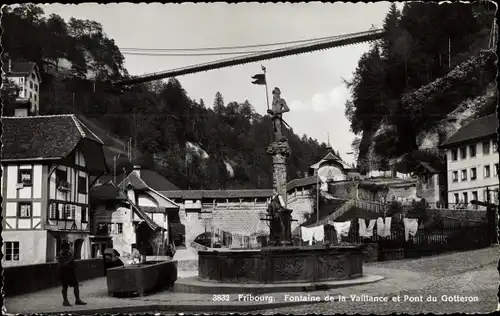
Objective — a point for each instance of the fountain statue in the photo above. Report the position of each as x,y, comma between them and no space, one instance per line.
278,215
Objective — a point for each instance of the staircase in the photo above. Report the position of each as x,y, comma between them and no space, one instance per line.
360,205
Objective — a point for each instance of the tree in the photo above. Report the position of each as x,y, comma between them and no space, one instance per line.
10,92
219,103
419,45
391,31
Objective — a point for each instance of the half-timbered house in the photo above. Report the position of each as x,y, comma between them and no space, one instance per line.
47,166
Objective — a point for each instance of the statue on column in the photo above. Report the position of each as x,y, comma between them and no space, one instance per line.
279,107
279,215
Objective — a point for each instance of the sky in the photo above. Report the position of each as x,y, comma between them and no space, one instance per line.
311,83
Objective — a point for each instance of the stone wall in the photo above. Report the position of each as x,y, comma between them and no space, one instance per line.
300,204
397,192
344,190
21,279
236,218
356,190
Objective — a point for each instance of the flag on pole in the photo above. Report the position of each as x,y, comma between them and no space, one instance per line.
259,79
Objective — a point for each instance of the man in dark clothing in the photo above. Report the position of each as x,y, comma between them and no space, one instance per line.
67,275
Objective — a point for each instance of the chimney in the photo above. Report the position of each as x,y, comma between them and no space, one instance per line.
10,65
138,169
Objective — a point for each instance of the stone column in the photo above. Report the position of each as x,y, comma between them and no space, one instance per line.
280,150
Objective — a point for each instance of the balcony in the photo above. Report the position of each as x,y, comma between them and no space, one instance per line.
63,186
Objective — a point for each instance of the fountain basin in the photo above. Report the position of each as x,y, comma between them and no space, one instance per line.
281,264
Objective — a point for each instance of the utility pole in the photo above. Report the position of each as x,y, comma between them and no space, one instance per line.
135,135
317,197
449,53
114,169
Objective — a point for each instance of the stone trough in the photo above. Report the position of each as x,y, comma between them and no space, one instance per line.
141,278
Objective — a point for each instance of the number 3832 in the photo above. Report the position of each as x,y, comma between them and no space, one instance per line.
220,298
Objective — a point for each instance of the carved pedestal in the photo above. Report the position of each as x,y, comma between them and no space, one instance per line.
281,265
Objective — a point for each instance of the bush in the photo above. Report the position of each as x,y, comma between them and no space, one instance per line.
419,210
395,207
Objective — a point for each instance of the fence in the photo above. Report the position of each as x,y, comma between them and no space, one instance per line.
429,240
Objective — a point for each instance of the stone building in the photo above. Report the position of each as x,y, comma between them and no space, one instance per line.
117,222
431,184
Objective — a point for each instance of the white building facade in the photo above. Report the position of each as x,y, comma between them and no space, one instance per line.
472,163
27,77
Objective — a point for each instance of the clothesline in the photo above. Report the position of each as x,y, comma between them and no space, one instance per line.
342,229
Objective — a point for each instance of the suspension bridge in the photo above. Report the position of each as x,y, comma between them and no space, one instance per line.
316,45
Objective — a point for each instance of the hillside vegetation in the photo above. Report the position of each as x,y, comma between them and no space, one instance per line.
77,59
431,72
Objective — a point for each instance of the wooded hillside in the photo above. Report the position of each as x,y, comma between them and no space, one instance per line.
77,58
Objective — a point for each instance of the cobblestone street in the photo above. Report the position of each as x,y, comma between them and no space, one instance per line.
466,274
471,274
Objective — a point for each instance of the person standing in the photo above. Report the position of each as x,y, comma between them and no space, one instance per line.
67,274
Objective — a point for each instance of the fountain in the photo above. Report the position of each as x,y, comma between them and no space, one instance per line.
279,266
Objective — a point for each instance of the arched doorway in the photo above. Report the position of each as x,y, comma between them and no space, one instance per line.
78,249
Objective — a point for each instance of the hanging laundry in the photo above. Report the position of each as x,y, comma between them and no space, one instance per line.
411,227
384,229
342,228
369,229
310,234
319,233
307,234
364,231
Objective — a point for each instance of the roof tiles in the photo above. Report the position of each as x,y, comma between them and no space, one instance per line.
476,129
42,137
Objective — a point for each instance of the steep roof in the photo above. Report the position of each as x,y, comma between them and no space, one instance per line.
333,158
476,129
431,167
145,179
107,191
42,137
217,194
301,182
19,68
